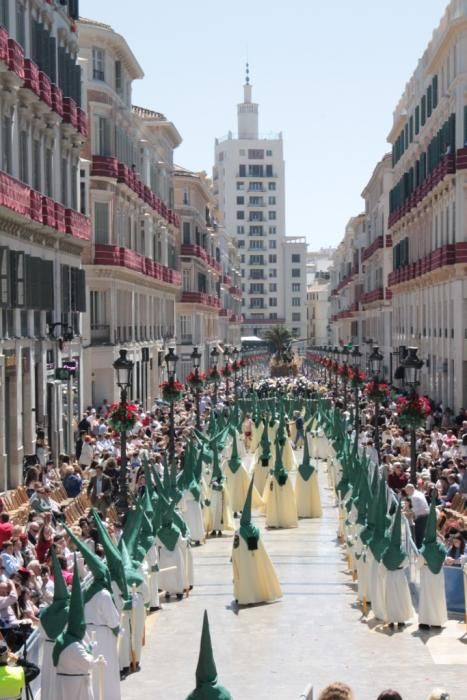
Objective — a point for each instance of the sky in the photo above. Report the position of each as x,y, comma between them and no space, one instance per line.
328,75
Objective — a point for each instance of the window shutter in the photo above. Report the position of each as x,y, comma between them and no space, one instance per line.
423,115
80,290
52,58
65,283
4,14
429,103
417,119
4,277
434,85
47,286
101,223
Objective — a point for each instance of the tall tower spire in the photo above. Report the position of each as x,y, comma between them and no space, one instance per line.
247,111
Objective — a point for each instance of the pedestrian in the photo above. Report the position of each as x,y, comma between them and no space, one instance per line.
419,512
299,427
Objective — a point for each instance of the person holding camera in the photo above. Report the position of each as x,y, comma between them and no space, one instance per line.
14,676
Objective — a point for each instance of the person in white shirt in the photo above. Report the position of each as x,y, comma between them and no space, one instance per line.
420,511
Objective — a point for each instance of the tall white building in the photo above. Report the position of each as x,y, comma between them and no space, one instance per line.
249,182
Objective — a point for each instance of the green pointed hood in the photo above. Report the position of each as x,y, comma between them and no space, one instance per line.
432,550
212,425
247,530
363,499
169,533
280,473
112,555
265,445
306,468
97,567
234,461
131,531
76,627
217,474
207,687
190,483
395,554
54,617
133,576
380,540
367,532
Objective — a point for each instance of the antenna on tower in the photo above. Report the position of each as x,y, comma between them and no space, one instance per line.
247,81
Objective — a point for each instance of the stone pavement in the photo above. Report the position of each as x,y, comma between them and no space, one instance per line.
315,634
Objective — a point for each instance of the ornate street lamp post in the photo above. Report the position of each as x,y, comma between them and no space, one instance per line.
375,362
214,360
356,367
336,365
196,360
171,360
227,354
412,366
124,369
345,357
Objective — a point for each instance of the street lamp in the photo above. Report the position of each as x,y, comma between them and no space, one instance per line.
124,369
375,363
336,366
356,365
345,357
214,361
196,360
171,360
412,366
227,354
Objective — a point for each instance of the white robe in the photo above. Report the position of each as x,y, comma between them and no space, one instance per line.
432,609
101,617
378,590
48,670
138,619
79,664
123,642
307,496
281,507
221,512
254,577
172,581
193,516
153,576
398,601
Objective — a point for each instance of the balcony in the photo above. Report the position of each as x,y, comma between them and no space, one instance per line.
107,166
100,334
373,247
227,280
117,256
441,257
200,298
225,313
77,225
262,321
236,318
374,295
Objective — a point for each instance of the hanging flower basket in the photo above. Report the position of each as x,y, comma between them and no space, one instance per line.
357,379
172,391
213,376
226,371
344,372
122,417
235,366
377,391
413,411
196,379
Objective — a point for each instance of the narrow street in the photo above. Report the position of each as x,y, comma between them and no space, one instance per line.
314,635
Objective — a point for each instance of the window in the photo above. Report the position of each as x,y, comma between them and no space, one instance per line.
240,230
271,200
64,182
272,186
423,109
273,258
295,272
98,63
186,232
295,286
4,14
269,171
256,288
256,260
272,230
4,277
242,170
256,186
74,187
256,201
256,216
241,244
417,120
269,153
36,165
16,278
23,156
6,142
255,153
186,197
240,214
240,185
272,243
273,286
273,316
271,215
255,171
49,174
295,257
101,223
240,200
273,273
256,303
272,301
256,231
119,79
256,244
296,316
296,301
20,24
102,136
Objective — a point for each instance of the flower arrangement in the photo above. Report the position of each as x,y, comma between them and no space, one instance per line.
172,390
377,391
344,371
122,417
235,366
227,371
213,376
196,379
357,379
412,411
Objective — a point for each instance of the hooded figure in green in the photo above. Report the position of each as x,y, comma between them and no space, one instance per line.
238,481
279,496
432,610
307,488
263,460
53,620
72,657
173,554
207,687
398,600
254,577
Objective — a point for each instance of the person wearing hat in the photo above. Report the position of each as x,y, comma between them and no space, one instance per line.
207,686
307,487
279,496
52,622
432,610
254,577
399,608
72,656
14,677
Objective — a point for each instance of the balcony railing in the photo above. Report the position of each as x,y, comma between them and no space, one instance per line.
117,256
374,295
107,166
200,298
373,247
441,257
100,334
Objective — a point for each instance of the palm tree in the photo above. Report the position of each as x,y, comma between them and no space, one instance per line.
279,338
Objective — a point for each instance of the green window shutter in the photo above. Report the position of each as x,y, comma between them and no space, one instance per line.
417,119
4,277
434,88
411,129
423,110
65,285
47,287
429,102
81,291
406,137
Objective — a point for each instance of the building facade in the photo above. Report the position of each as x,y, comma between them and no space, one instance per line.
249,184
42,231
295,293
132,263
